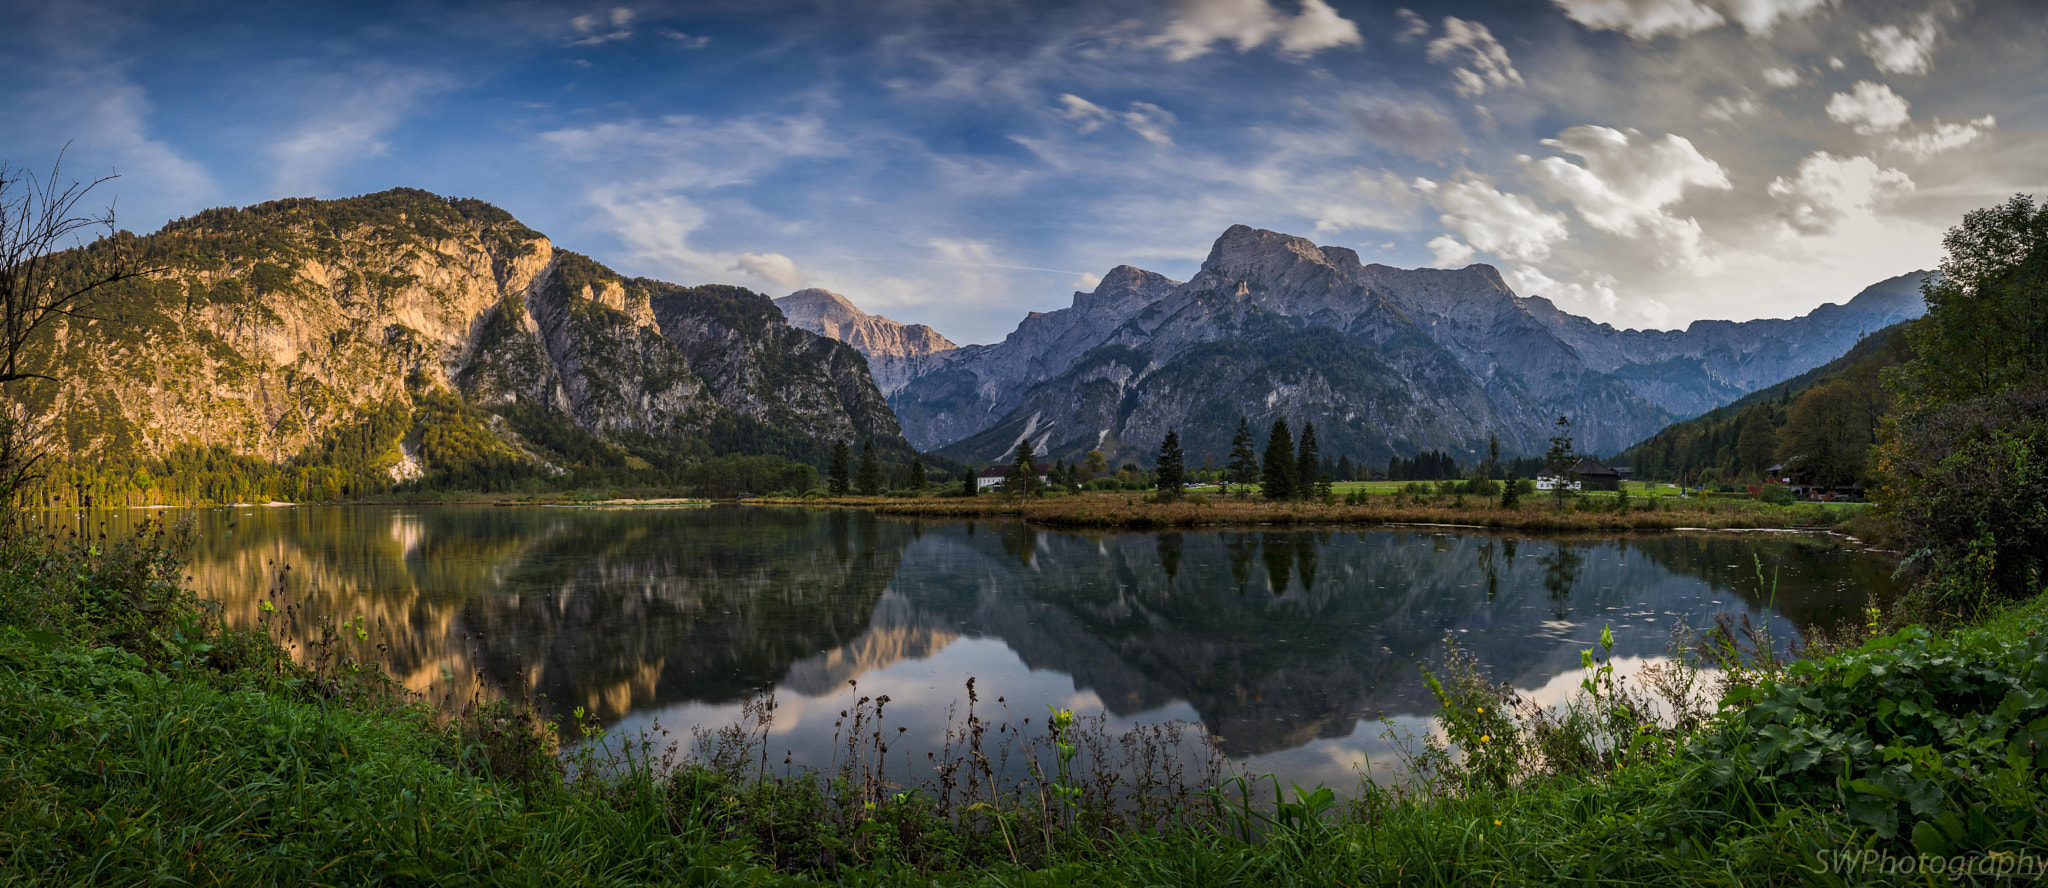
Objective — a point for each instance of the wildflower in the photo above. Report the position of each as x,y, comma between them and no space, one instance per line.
1486,738
1496,823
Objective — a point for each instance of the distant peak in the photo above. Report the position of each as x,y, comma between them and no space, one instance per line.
816,302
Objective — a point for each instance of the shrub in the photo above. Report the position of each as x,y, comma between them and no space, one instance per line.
1968,483
1776,494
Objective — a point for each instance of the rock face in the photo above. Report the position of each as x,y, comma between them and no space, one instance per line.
1383,361
889,346
276,330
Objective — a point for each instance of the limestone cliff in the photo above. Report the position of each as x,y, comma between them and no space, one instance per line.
426,334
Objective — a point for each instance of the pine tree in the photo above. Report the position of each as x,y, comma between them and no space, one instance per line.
868,478
918,482
1244,461
1511,493
838,477
1308,463
1325,490
1172,470
1346,471
1492,457
1023,476
1277,481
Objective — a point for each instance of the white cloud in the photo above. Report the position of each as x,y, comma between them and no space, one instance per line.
1642,19
1783,78
1870,108
1450,252
1731,107
1481,63
686,41
1645,19
1318,27
1412,25
592,29
1896,50
1197,24
1627,182
1760,16
1590,291
1510,226
1087,281
1144,118
774,268
1944,137
1835,63
1828,189
348,128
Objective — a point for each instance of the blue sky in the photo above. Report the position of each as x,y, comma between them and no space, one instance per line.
961,162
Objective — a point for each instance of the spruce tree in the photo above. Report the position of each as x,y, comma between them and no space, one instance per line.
918,482
1172,469
1511,493
1023,476
1346,471
868,480
1277,481
1244,461
839,474
1308,463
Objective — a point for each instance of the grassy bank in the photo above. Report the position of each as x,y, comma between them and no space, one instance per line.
1136,511
141,741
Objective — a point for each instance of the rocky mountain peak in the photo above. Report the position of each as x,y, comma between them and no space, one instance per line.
1244,253
817,303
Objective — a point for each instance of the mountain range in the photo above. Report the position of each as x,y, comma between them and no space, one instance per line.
1384,361
430,335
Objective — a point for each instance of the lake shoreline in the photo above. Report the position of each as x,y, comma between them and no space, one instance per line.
1129,512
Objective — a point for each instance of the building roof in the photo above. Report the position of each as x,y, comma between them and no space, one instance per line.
1003,471
1590,468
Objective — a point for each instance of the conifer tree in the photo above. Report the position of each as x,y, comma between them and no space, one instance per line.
1560,459
1277,481
1244,461
868,478
1172,467
1023,476
918,481
838,476
1308,463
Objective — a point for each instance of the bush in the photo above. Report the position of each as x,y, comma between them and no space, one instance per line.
1968,483
1776,494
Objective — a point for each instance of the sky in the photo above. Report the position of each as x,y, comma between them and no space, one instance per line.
959,163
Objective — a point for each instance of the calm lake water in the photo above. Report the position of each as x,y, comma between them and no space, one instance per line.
1291,645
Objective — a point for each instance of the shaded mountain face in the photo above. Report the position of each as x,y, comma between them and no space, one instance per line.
1384,361
270,330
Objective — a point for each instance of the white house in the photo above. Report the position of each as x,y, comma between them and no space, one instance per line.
1547,481
992,477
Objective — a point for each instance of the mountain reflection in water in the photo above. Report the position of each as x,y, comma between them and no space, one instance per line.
1274,639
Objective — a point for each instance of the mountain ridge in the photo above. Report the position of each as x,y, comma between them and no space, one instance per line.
1522,356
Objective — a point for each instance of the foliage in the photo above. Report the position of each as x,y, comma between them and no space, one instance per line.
1022,479
1307,462
1987,314
839,476
1968,483
1830,412
868,479
1560,458
1172,473
1276,479
1244,461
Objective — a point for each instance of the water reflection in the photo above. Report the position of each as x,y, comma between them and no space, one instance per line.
1276,639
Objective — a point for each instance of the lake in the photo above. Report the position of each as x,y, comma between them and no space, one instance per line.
1298,648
